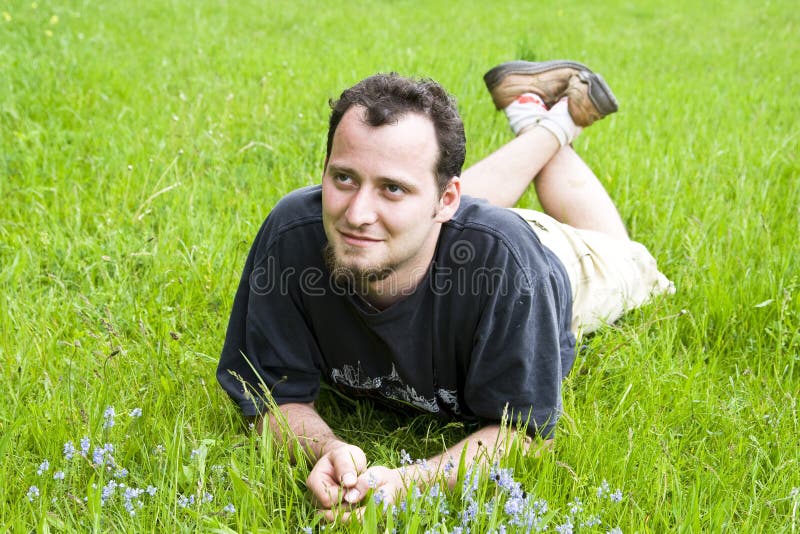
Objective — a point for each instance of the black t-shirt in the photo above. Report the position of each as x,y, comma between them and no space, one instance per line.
486,330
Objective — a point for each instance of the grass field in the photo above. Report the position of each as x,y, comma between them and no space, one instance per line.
143,143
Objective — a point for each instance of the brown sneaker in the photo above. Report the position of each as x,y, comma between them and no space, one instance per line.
590,98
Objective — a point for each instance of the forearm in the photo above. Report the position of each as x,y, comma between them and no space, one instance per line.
301,424
482,447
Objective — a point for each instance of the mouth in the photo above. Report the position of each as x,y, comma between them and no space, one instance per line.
357,240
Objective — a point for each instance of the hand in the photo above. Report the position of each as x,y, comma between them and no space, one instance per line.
386,483
336,473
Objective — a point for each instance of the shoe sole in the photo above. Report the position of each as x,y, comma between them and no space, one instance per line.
599,92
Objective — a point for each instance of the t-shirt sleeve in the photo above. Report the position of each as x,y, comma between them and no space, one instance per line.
269,351
516,361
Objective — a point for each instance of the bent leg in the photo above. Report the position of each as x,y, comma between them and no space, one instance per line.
567,188
571,193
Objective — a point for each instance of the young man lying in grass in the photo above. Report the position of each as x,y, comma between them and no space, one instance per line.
404,279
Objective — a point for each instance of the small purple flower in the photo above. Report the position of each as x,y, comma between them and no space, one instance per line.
136,412
151,490
307,530
109,415
405,458
58,475
379,496
514,506
108,491
372,482
44,466
98,456
615,530
575,507
69,450
85,444
592,522
616,496
566,528
603,489
195,453
207,497
448,467
33,493
121,473
229,508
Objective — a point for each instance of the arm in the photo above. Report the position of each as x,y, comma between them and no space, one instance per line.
337,464
481,447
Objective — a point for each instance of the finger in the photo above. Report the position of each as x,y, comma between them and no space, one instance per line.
323,485
348,462
344,516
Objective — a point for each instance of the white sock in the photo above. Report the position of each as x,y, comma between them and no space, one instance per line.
559,122
525,111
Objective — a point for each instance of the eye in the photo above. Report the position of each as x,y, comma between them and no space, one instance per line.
343,179
395,190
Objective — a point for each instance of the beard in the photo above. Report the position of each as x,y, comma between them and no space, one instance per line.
358,277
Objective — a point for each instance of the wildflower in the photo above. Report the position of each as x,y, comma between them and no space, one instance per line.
469,512
603,489
434,491
85,443
566,528
372,482
616,496
109,415
121,473
108,491
184,501
379,496
514,506
423,463
592,522
405,458
44,466
575,507
33,492
195,453
136,412
615,530
229,508
151,490
58,475
307,530
159,450
69,450
98,456
448,467
207,497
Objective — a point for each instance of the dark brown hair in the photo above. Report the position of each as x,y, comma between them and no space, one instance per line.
387,97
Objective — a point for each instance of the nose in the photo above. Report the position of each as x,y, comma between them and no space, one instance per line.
361,209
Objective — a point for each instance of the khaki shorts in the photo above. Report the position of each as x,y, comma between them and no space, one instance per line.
609,276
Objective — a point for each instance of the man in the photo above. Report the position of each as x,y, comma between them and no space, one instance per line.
390,280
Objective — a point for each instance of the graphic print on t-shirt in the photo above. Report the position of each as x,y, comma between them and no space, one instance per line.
392,387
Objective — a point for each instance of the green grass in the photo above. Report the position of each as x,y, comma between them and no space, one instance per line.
143,143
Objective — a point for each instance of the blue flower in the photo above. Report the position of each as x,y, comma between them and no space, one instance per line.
98,456
121,473
136,412
85,444
405,458
151,490
33,493
58,475
229,508
616,496
44,466
603,489
69,450
207,497
109,415
108,491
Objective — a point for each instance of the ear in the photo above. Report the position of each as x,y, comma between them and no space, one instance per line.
448,202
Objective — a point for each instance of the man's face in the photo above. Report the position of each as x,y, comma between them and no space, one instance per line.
380,205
